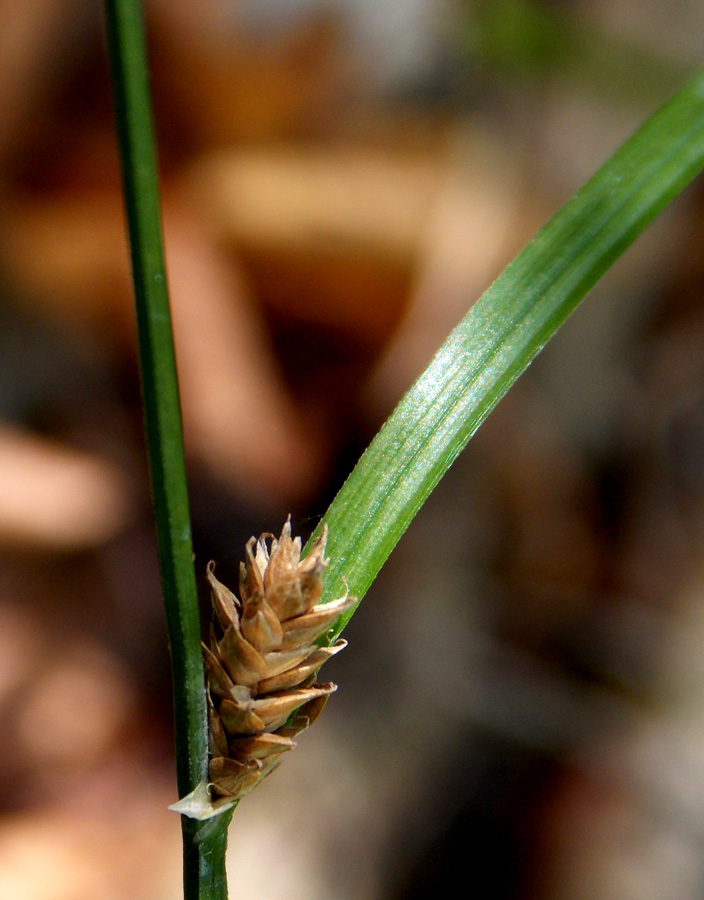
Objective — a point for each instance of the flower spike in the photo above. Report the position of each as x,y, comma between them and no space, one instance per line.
261,665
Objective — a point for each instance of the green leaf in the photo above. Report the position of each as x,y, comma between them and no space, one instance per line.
502,333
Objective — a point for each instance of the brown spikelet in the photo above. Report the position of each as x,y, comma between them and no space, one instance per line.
263,658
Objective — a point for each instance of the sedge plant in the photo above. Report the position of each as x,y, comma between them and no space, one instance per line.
474,368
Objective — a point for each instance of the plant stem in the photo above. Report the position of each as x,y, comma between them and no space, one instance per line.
203,845
204,872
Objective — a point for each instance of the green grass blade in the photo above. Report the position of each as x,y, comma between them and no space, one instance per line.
502,333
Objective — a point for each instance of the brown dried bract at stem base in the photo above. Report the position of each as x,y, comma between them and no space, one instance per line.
263,656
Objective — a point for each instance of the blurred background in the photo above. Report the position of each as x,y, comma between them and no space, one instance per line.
520,705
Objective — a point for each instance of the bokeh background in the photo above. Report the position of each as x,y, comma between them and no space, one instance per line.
520,707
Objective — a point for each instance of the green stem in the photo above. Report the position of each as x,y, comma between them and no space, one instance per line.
204,872
204,845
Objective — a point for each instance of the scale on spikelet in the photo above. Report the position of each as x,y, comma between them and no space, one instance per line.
261,666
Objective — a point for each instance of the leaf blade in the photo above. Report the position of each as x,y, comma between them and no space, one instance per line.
502,334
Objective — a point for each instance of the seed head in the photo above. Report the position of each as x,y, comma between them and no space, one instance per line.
263,658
